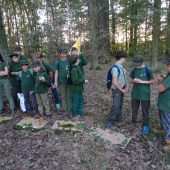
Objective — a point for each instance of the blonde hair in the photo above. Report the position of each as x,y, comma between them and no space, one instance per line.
38,55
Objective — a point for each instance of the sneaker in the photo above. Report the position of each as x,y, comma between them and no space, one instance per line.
145,129
2,111
81,118
132,124
49,116
108,125
13,111
75,118
57,106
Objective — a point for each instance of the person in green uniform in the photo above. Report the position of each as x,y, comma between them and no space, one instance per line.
62,67
14,69
4,84
51,72
17,49
141,77
83,60
41,88
25,78
164,102
77,87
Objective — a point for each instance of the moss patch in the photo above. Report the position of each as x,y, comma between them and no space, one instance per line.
3,122
26,128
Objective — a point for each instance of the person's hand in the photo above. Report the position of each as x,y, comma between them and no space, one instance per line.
41,78
160,78
126,89
123,91
139,81
31,92
12,73
55,85
86,81
136,80
16,73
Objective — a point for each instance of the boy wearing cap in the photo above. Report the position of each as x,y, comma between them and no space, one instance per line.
119,88
141,77
41,80
14,68
164,102
17,49
62,67
25,78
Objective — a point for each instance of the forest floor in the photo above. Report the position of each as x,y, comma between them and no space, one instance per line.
45,150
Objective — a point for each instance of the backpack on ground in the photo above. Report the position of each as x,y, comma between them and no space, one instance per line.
110,77
69,81
20,73
146,70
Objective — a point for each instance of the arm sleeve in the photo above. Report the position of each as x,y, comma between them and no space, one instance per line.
131,75
74,77
83,59
166,82
10,70
47,80
19,86
56,66
114,72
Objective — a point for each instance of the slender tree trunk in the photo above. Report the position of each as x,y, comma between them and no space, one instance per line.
4,50
135,26
168,30
93,34
113,21
155,34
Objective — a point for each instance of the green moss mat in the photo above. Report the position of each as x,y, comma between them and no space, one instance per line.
26,128
65,131
3,122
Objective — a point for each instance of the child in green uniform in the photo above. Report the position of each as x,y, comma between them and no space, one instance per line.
41,88
62,67
4,84
51,72
25,77
83,60
17,49
77,86
141,77
164,102
15,67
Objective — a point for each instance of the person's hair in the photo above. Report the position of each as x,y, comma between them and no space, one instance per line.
74,49
37,55
1,59
119,57
73,58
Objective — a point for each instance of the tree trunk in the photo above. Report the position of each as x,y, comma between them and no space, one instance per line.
155,35
135,26
93,34
168,30
4,50
103,31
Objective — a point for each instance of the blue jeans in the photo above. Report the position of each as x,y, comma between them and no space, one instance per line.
116,111
27,102
55,94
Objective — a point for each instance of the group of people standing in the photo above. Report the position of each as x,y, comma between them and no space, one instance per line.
141,77
34,82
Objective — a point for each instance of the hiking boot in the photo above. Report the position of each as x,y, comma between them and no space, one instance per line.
75,118
132,124
57,106
145,129
108,125
13,111
2,111
167,146
159,130
49,116
81,118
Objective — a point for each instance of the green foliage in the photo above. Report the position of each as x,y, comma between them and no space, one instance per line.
3,122
26,128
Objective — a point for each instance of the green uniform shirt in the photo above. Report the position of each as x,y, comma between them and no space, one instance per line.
78,80
48,67
41,86
27,81
63,69
141,91
14,67
2,68
164,97
122,79
83,61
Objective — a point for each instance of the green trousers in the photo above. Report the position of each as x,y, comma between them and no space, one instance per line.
145,111
77,104
65,97
42,100
4,84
